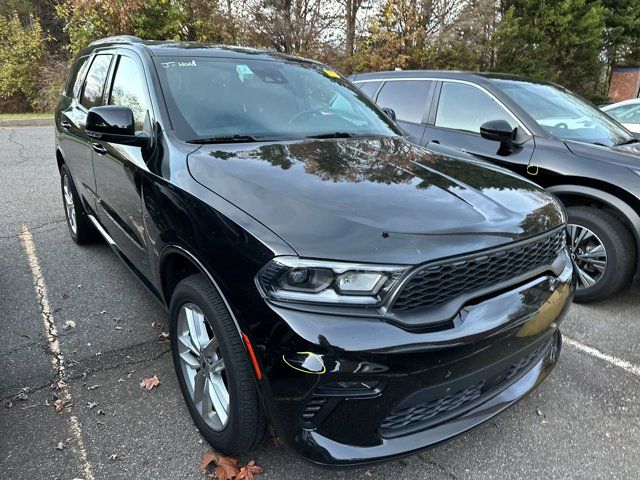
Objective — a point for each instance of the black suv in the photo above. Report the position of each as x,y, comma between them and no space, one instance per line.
541,131
366,297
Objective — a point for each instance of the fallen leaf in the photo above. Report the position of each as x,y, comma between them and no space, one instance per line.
113,457
65,295
539,412
120,380
60,446
227,468
60,384
8,404
59,405
206,460
247,472
69,324
93,387
118,328
150,383
101,412
164,336
92,405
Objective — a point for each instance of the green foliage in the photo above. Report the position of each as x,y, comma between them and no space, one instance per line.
552,40
22,46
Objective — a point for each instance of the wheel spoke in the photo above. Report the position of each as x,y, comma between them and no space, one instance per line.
189,359
218,404
586,279
217,366
210,347
194,328
185,340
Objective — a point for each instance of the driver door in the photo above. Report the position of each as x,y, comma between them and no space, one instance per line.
461,109
119,169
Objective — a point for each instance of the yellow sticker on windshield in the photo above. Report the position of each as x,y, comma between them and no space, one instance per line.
331,73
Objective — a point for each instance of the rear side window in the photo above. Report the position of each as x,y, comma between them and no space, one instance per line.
368,88
129,90
407,98
94,84
75,79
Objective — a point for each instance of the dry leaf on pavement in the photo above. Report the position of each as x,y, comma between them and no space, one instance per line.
247,472
150,383
207,458
227,468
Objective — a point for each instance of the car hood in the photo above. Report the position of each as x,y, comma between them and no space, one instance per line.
623,155
378,199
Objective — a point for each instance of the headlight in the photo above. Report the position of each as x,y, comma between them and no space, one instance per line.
296,279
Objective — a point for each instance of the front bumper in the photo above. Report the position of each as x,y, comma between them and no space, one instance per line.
348,391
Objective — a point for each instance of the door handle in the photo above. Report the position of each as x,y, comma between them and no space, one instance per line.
98,148
65,125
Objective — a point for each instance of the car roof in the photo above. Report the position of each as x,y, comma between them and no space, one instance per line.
482,77
630,101
191,49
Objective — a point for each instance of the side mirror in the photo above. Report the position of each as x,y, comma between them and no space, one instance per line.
500,131
390,113
114,124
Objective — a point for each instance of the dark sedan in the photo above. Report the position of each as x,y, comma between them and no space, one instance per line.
545,133
366,297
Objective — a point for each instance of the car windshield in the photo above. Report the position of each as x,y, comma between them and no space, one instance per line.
240,99
565,115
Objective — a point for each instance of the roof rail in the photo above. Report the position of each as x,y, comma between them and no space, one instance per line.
117,39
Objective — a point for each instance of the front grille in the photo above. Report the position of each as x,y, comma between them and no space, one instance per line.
437,284
421,416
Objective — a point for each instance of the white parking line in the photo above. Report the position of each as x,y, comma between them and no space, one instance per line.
57,359
618,362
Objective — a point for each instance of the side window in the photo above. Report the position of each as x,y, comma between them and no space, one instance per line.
408,98
463,107
74,80
368,88
129,90
94,84
626,113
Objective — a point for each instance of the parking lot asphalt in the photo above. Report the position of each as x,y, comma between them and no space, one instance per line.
582,423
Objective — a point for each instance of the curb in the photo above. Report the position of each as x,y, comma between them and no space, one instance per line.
25,122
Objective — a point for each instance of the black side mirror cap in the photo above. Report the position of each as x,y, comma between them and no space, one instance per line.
390,113
114,124
497,130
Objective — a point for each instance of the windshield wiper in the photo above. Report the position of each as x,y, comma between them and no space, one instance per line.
228,139
627,142
332,135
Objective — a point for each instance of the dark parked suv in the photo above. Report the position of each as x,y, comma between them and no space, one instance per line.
364,296
546,133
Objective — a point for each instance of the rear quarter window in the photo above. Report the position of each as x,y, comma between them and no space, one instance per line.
74,79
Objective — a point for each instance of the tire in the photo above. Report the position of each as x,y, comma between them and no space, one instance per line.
80,227
619,247
245,422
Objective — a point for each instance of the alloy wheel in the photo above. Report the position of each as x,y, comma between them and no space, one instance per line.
203,367
69,206
588,255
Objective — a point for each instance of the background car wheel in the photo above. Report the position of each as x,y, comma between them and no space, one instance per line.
215,376
80,227
602,251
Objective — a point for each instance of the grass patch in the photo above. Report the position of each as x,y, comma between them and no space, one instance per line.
7,116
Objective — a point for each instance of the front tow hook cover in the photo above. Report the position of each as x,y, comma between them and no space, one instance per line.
306,362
